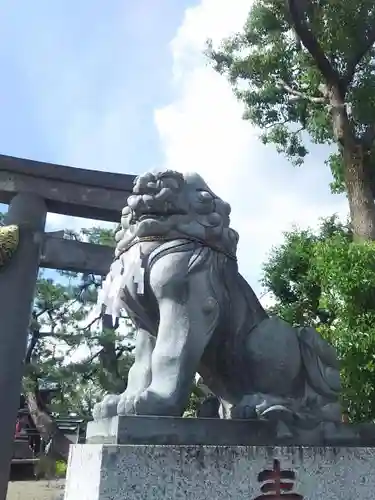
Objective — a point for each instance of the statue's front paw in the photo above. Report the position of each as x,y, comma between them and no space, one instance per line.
151,403
106,408
126,405
147,403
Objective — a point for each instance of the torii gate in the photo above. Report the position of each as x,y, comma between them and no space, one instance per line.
32,189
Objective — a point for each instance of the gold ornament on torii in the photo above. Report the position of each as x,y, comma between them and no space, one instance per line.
9,240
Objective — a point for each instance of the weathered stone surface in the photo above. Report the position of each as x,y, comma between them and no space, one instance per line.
105,472
179,431
176,276
76,256
143,430
70,191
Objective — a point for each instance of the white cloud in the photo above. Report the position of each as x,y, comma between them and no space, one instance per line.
202,130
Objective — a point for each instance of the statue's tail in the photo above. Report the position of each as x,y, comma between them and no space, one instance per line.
321,364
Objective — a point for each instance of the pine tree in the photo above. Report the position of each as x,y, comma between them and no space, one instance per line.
72,349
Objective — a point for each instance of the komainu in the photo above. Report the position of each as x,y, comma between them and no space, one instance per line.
175,274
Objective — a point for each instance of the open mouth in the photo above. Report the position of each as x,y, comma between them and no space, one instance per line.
153,216
158,215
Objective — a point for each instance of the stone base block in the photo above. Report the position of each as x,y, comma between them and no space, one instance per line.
220,432
136,472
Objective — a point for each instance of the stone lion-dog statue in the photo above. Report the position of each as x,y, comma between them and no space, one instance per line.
175,275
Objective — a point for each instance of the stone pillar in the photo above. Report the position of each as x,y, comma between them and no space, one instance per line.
17,285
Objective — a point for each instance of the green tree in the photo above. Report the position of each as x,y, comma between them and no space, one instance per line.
306,68
83,356
326,279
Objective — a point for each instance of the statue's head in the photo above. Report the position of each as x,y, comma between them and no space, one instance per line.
171,204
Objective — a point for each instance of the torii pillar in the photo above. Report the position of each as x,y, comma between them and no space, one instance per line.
17,285
31,189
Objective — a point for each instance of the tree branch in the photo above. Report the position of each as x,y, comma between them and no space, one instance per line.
35,336
277,124
297,11
30,348
301,95
90,324
46,425
364,48
120,352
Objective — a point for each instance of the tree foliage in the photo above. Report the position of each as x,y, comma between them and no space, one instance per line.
69,345
327,279
306,68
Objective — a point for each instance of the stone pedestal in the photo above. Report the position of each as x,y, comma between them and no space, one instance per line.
119,472
178,470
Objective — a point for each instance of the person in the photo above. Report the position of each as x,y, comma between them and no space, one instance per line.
25,427
18,428
22,424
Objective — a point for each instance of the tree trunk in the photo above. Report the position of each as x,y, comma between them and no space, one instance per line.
47,428
359,192
44,423
356,174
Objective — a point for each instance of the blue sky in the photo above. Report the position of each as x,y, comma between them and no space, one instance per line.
82,73
123,86
74,68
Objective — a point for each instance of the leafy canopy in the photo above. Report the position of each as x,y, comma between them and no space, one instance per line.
326,279
280,84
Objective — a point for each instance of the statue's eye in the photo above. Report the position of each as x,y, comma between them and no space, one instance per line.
152,186
204,196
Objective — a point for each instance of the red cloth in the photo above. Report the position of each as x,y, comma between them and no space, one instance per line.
18,428
21,423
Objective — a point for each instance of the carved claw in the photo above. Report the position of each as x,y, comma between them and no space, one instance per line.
151,403
106,408
126,405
